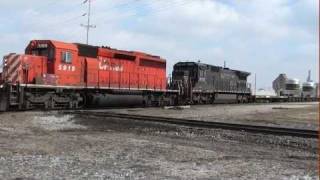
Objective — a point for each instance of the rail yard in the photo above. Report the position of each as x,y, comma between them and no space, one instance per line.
204,122
139,89
55,75
71,145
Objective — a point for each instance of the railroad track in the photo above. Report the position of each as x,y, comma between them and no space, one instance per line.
304,133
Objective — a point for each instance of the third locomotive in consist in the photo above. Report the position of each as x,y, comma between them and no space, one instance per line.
59,75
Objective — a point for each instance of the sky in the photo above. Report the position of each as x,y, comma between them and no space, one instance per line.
263,37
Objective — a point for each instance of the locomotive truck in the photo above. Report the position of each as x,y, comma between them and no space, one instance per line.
59,75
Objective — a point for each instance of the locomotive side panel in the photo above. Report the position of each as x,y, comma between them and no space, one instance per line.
117,69
67,67
154,72
91,73
212,78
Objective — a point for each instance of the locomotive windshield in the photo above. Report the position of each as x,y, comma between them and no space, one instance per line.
185,69
42,50
181,73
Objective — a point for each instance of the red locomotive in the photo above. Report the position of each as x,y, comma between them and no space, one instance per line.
53,74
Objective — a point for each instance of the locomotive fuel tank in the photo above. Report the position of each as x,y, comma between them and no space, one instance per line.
114,100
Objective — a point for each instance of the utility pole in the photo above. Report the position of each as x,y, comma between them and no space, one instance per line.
255,84
89,25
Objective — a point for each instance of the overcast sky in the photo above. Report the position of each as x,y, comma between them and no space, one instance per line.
266,37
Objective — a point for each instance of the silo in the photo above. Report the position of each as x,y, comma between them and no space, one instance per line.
279,84
292,88
309,90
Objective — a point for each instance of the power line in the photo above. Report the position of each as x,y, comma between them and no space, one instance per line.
55,24
164,6
167,7
117,6
74,18
88,26
56,14
54,2
153,11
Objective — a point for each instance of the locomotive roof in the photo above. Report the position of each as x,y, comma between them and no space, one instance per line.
93,51
208,65
56,44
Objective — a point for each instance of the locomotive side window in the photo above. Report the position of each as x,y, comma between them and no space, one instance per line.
66,57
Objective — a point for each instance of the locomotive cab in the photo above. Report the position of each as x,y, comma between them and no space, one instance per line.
37,48
59,61
185,72
43,49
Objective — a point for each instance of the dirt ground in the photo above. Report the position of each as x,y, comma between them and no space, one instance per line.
52,145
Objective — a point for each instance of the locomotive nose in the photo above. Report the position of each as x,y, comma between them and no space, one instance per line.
11,64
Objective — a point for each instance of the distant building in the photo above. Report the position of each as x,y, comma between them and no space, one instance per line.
283,86
265,92
309,88
279,84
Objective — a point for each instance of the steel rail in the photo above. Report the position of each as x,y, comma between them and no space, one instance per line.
280,131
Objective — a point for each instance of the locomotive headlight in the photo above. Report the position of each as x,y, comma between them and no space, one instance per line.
5,64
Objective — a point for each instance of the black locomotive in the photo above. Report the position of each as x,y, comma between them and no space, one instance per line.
200,83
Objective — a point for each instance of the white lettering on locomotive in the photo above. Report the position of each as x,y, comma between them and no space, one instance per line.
106,67
42,46
64,67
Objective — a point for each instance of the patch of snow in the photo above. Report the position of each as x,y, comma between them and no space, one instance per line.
56,123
